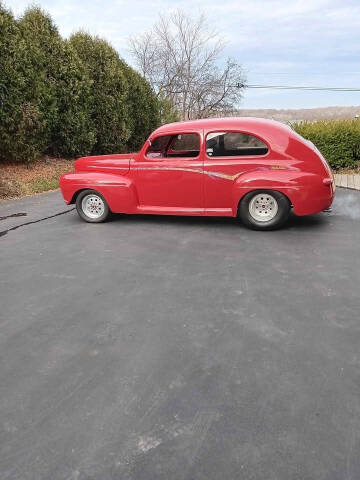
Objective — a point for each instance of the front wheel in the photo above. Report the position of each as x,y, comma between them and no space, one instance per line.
92,207
264,209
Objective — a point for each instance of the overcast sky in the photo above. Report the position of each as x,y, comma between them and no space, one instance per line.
278,42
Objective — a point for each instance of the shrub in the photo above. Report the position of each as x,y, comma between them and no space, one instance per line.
21,122
75,132
143,108
59,85
338,140
39,66
108,92
68,97
167,112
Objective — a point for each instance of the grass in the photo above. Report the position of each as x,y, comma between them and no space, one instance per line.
350,171
18,180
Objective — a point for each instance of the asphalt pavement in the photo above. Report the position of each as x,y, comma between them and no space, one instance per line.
171,348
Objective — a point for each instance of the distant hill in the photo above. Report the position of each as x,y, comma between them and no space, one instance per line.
292,115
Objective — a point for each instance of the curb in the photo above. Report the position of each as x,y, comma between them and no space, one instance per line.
351,181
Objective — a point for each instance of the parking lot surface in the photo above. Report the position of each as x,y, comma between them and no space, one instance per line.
168,348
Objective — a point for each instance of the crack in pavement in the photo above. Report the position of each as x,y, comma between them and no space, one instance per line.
20,214
4,232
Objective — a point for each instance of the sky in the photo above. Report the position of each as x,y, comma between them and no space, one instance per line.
277,42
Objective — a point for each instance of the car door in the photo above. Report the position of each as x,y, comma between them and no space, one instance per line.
228,155
169,174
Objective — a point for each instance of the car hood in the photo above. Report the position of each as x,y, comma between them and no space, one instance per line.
117,163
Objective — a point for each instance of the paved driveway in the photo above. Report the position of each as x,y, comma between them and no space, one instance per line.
165,348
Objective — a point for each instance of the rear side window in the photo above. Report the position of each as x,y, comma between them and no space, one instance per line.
182,145
234,144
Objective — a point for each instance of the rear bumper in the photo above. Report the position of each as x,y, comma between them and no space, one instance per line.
312,200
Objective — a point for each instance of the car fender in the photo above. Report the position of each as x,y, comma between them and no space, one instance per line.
291,182
119,191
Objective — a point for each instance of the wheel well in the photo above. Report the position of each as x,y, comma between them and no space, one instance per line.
261,190
76,194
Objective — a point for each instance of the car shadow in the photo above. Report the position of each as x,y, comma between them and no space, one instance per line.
307,222
317,220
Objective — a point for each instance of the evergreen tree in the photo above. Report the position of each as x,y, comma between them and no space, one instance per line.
58,85
108,93
143,106
21,123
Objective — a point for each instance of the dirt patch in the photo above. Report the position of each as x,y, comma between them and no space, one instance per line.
349,171
18,180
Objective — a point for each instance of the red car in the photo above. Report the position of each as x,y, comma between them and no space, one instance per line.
251,168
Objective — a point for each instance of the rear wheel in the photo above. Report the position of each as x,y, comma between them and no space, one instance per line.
92,207
264,209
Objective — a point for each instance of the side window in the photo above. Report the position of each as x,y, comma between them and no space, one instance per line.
173,146
184,145
233,144
158,147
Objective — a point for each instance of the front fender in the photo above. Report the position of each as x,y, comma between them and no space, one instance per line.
118,191
305,191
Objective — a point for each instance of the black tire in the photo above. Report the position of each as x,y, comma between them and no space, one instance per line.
274,199
101,202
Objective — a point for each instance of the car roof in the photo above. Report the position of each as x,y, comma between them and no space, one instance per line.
257,126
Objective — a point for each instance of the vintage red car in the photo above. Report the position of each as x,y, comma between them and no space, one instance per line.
251,168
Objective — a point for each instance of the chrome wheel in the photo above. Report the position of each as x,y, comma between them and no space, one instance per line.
263,207
93,206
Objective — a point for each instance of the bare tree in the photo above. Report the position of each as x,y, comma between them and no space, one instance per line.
180,57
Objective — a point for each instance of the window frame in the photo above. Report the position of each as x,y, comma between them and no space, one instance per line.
224,130
172,135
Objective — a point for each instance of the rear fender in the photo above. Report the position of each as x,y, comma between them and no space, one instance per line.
290,182
118,191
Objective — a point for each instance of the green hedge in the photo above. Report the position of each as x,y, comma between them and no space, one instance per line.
21,124
338,140
108,94
67,97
